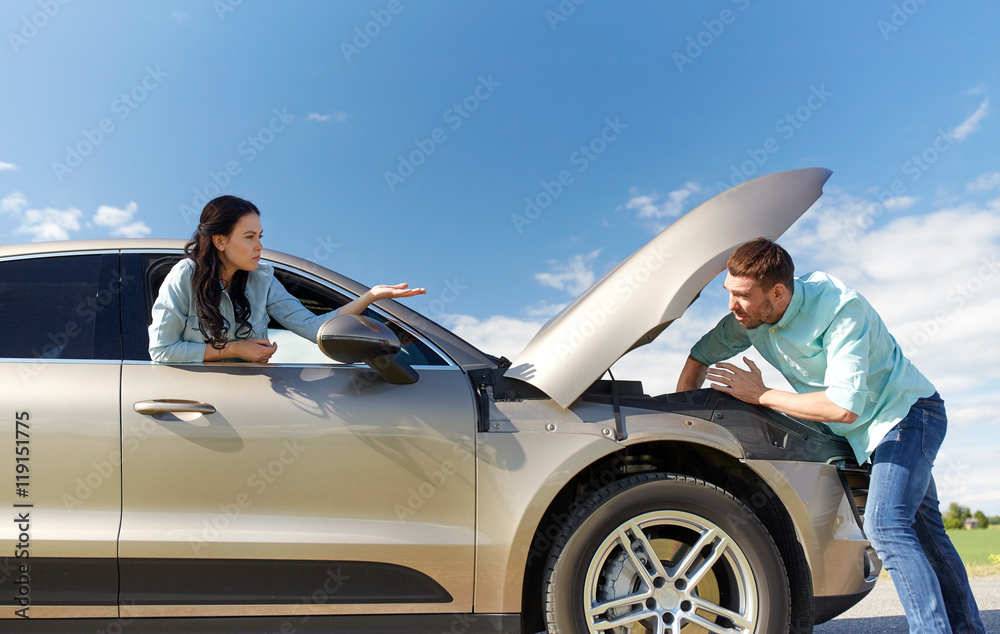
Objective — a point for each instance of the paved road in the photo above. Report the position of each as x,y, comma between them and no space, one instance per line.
881,612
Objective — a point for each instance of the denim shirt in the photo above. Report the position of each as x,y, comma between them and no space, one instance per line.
830,339
174,336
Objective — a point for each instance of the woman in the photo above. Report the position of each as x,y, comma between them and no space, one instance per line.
215,304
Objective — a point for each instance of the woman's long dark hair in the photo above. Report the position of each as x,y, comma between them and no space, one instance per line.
218,218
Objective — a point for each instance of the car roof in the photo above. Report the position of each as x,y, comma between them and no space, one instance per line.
115,244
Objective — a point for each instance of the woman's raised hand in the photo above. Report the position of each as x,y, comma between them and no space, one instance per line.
375,293
394,291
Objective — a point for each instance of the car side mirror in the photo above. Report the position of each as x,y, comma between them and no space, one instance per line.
356,339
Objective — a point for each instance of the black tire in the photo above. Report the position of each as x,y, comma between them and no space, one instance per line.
668,514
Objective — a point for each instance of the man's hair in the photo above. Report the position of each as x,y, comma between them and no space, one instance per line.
764,261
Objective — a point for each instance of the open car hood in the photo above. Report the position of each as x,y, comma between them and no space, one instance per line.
637,299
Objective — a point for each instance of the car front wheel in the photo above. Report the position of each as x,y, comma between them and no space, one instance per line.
666,554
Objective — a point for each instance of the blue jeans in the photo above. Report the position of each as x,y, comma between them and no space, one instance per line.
903,522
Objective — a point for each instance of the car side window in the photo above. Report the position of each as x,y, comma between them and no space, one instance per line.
320,300
55,307
317,297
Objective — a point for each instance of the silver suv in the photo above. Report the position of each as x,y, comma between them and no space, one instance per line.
483,496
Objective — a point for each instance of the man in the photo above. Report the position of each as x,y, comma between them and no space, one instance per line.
849,372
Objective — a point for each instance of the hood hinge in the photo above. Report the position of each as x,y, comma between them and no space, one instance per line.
482,384
616,407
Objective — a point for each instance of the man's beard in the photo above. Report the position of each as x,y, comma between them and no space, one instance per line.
768,314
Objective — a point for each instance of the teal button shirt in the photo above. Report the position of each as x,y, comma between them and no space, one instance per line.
830,339
175,337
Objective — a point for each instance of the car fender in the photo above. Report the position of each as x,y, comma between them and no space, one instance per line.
532,450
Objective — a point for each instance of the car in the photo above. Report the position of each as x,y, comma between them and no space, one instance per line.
393,477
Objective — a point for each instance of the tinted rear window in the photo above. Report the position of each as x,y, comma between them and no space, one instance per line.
49,307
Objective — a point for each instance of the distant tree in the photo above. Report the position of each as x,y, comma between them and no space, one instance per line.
984,522
953,523
959,512
994,520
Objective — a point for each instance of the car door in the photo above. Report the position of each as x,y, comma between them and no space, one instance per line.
298,487
60,451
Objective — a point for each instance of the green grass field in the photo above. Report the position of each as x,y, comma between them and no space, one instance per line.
979,549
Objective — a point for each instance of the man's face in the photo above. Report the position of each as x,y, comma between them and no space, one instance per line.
751,304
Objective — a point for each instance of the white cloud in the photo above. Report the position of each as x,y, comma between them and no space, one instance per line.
13,203
984,182
497,335
967,127
108,216
120,221
40,224
648,208
574,277
969,456
6,167
179,17
943,197
900,203
834,218
976,90
336,116
132,230
952,238
56,224
49,224
543,309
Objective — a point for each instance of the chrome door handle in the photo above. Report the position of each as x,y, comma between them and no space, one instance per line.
164,406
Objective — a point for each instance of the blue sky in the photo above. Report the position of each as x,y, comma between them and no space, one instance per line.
401,141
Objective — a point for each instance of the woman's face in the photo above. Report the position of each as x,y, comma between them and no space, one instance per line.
240,250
